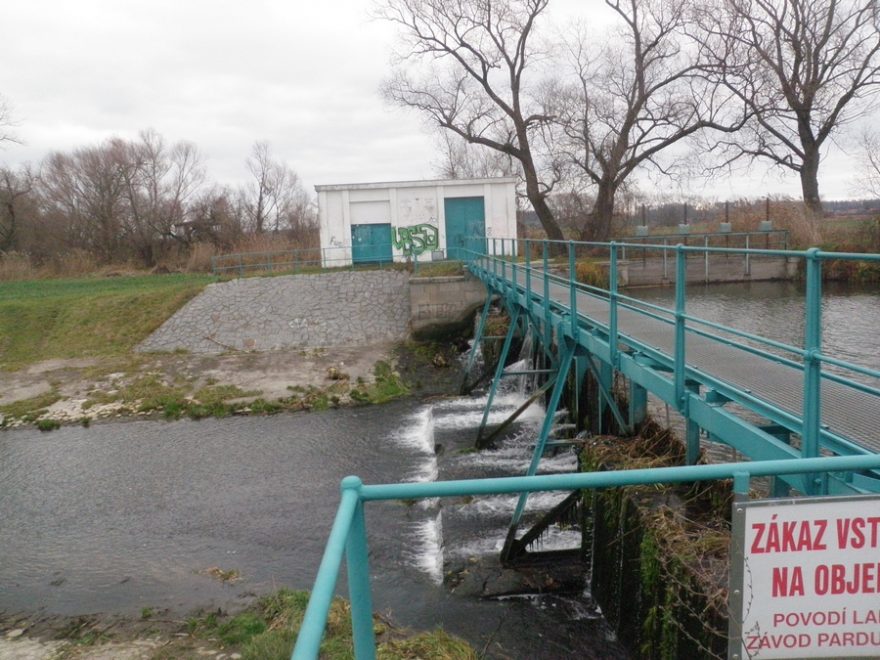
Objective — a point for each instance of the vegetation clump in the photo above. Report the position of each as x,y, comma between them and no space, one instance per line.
268,631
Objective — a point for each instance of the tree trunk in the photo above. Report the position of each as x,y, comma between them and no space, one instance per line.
603,212
538,199
810,188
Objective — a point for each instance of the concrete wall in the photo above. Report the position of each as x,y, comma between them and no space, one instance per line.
721,268
408,205
295,311
439,304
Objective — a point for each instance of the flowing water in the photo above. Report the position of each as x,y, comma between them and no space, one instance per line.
122,516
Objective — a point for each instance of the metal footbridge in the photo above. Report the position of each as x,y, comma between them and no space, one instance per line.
808,420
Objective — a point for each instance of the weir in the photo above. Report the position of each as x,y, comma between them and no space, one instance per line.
803,418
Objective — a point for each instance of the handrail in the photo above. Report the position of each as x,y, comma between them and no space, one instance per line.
809,357
349,532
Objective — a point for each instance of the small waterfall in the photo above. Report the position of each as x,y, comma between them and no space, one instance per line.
417,434
426,553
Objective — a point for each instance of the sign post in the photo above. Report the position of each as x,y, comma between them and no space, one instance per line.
805,578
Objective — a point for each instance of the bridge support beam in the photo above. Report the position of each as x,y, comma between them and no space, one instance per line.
638,404
476,345
558,387
502,359
692,433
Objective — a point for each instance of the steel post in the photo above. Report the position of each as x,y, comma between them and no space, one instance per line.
505,349
692,431
356,556
308,642
812,352
478,338
548,330
546,426
572,291
638,404
679,356
612,301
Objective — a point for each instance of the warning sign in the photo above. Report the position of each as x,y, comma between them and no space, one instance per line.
805,578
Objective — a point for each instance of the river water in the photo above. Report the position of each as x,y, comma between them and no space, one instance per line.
122,516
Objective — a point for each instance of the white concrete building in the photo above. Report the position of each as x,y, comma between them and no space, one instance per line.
406,220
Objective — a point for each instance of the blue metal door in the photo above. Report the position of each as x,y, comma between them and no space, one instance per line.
371,244
465,222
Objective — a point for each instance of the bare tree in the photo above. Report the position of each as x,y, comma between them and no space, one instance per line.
869,147
84,193
6,122
159,181
275,198
802,67
14,188
460,159
639,95
477,54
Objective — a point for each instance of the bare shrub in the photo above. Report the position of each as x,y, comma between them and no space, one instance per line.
16,266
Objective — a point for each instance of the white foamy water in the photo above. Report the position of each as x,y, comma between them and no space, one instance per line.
469,416
417,432
426,550
505,504
492,543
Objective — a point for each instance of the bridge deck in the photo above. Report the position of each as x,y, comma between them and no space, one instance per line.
845,412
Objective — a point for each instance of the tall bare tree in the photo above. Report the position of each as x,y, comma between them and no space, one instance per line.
84,192
14,188
641,93
475,58
159,181
275,199
460,159
6,122
802,67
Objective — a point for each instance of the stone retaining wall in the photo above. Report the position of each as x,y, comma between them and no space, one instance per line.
293,311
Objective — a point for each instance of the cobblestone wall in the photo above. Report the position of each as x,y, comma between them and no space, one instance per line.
269,313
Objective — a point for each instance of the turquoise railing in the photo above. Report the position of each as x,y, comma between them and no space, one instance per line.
500,255
348,536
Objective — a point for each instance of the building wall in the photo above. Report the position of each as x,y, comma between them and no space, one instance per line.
417,206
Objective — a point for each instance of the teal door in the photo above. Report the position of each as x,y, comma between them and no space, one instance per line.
371,244
465,221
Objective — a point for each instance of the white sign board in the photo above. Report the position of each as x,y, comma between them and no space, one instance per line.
805,578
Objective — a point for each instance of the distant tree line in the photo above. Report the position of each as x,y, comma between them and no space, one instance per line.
144,200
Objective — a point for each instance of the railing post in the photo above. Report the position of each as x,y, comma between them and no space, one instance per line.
706,256
495,258
679,356
812,353
503,264
748,259
528,257
665,266
612,300
572,291
359,582
548,333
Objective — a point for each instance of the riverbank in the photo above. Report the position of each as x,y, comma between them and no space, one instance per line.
174,385
265,630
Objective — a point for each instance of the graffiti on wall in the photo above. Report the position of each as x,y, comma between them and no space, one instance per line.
415,240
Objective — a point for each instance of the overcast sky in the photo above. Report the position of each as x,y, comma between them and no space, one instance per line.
302,75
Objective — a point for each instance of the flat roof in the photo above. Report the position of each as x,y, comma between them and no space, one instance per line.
414,184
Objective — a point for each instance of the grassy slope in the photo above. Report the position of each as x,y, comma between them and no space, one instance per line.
86,317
